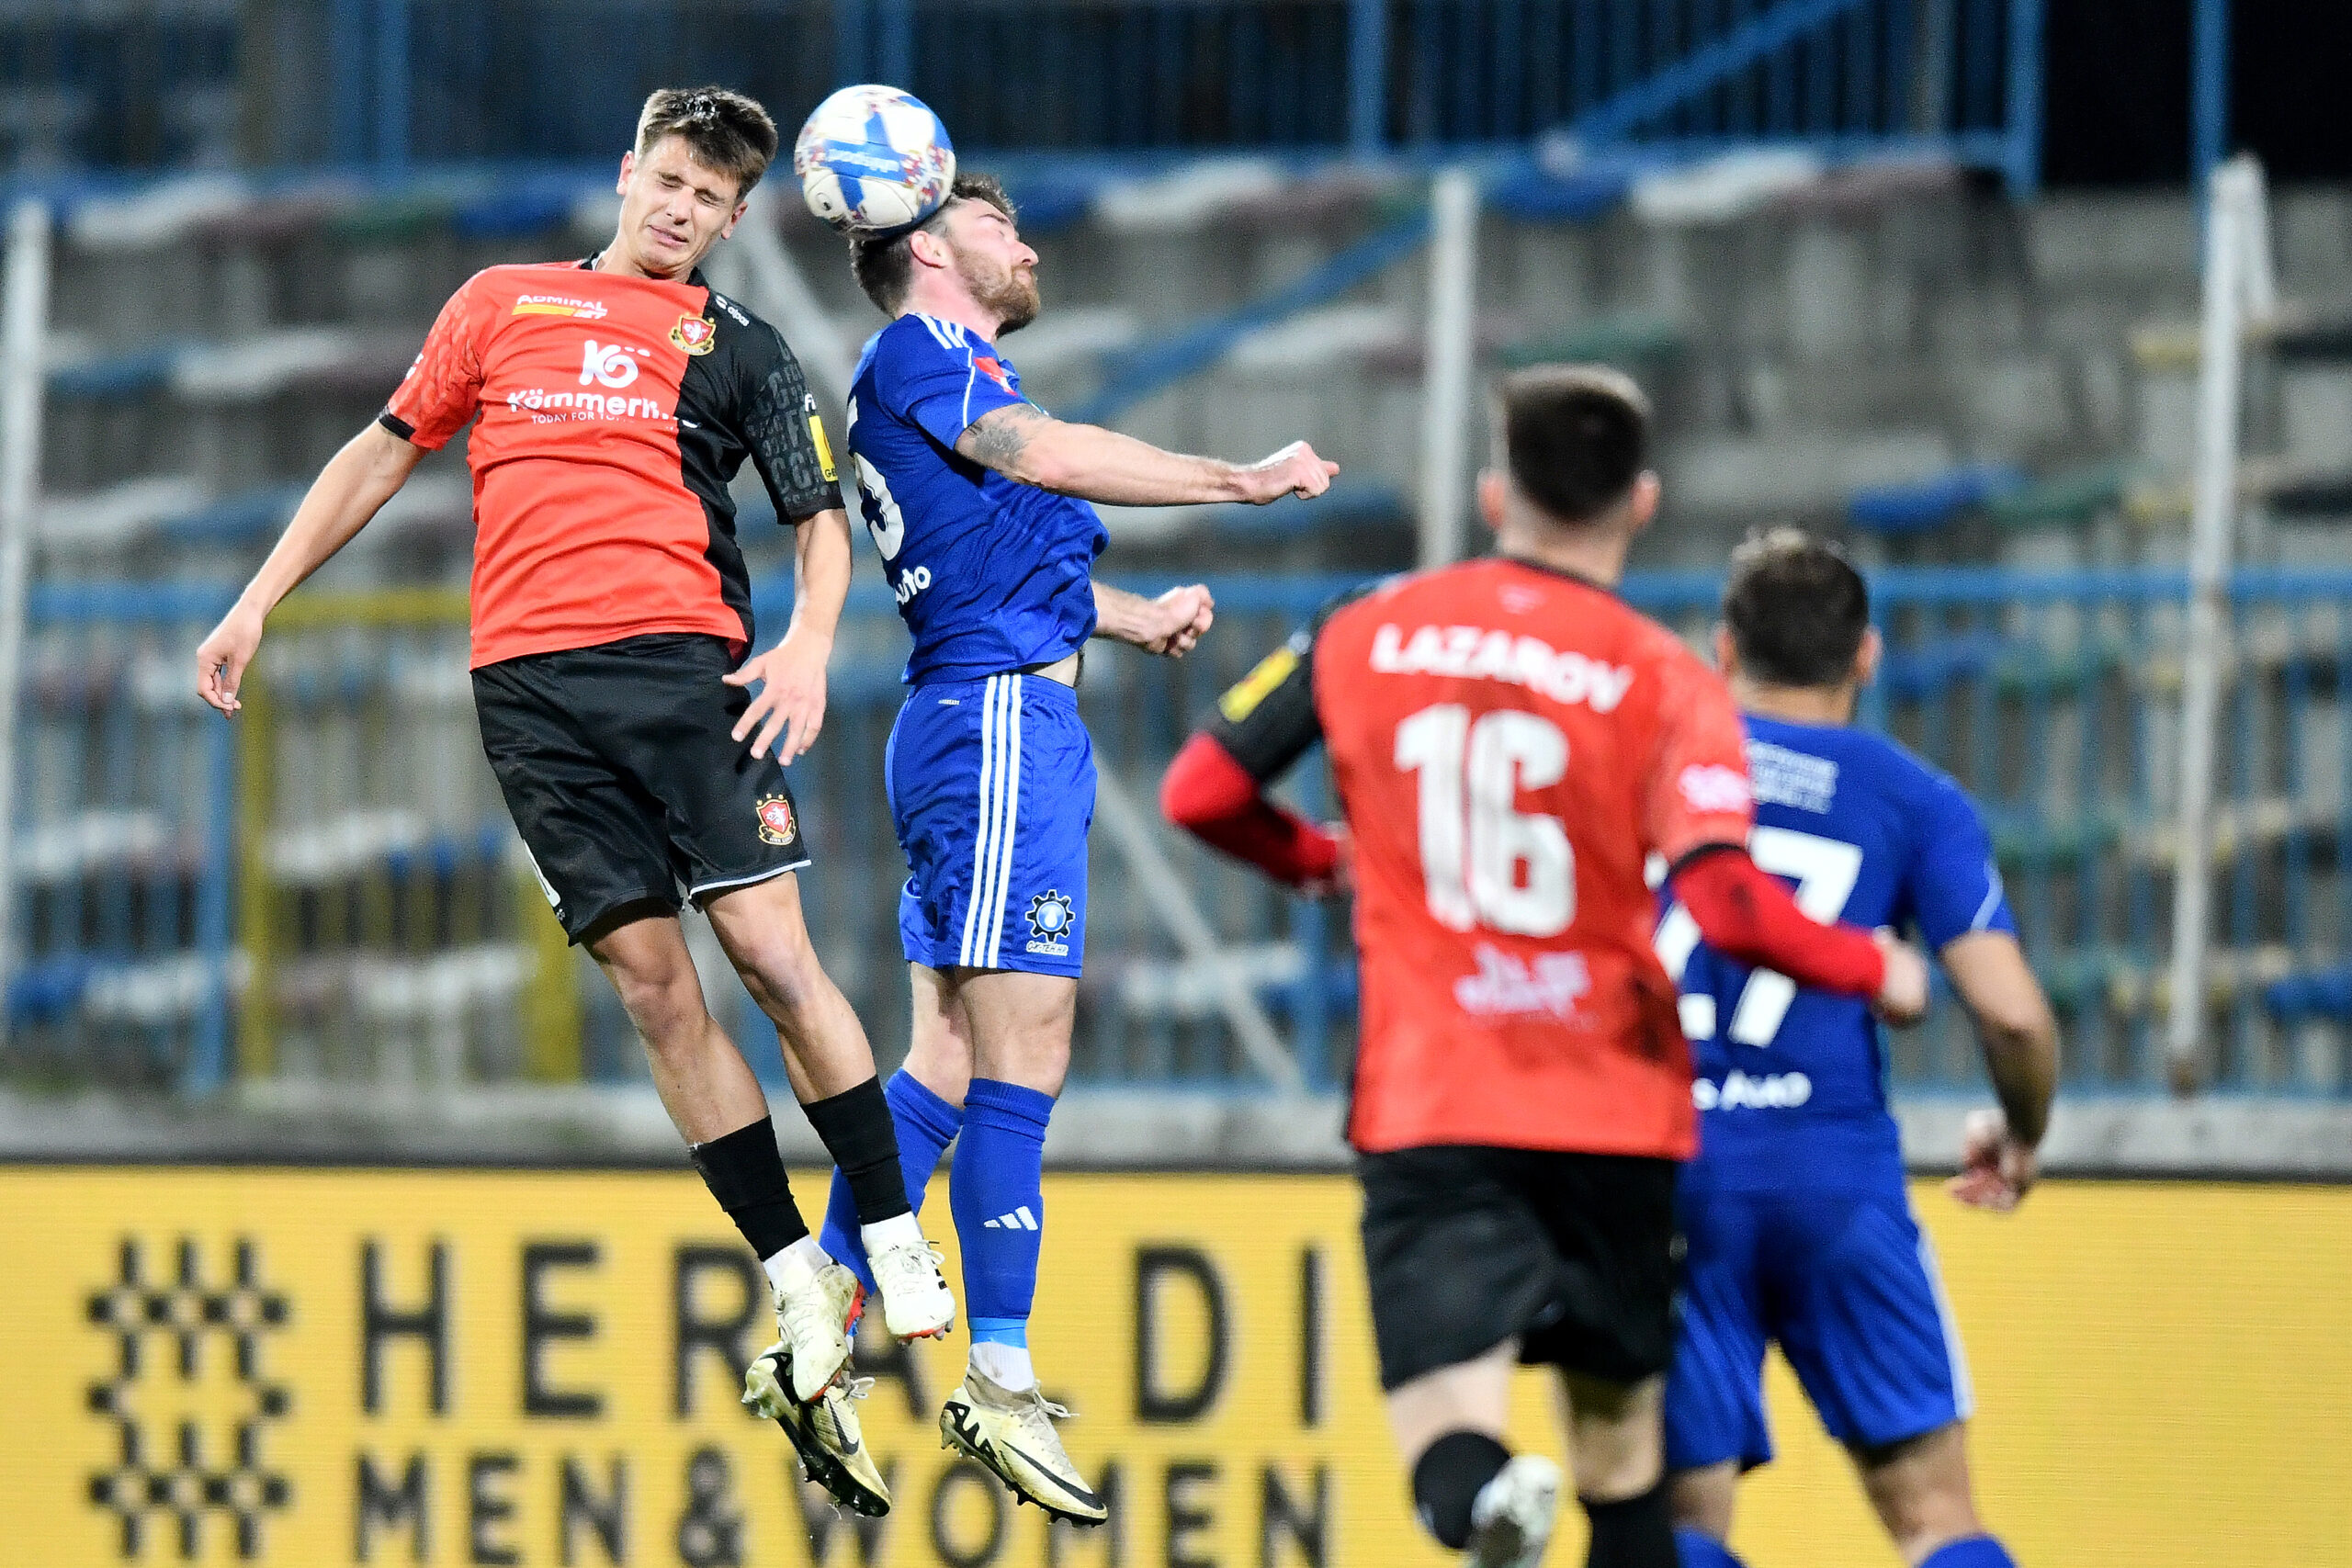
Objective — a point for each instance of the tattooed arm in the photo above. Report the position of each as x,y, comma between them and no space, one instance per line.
1024,443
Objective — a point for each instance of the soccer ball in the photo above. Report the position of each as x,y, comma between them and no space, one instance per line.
872,159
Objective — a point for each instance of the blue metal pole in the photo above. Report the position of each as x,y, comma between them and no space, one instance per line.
209,1058
391,85
2209,112
2024,162
1367,76
347,79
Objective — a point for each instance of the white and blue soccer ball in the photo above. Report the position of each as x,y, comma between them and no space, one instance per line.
873,158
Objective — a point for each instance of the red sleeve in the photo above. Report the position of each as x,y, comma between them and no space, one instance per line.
1697,791
1211,795
1749,917
443,388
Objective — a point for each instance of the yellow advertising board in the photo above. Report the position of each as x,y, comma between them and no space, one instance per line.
324,1367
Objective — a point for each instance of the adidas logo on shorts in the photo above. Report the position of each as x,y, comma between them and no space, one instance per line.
1021,1219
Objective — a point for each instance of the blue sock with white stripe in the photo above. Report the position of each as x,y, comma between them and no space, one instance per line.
996,1188
926,1125
1976,1551
1696,1549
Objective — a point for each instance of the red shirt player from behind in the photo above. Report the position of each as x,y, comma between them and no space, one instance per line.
610,402
1510,745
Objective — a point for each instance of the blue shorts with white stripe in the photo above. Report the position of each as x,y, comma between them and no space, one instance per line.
992,786
1846,1285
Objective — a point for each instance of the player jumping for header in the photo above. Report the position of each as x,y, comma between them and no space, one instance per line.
617,397
1799,1226
977,501
1508,743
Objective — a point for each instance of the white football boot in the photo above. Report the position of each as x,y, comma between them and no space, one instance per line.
1012,1435
1511,1520
916,1303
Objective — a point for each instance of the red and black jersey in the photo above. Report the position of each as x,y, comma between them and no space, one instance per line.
1508,744
613,413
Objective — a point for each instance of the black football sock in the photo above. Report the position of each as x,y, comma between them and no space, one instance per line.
745,1173
1637,1532
1447,1479
858,1132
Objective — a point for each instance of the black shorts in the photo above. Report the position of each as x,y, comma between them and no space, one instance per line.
619,767
1577,1254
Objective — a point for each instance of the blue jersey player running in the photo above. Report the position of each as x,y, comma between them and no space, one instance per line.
977,501
1798,1225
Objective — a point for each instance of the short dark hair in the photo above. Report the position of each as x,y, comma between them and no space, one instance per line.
1796,607
724,130
883,265
1573,438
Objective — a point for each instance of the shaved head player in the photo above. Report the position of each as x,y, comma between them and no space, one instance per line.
1509,743
611,401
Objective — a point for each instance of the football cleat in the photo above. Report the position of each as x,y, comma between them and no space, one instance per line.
915,1300
815,1322
1012,1435
824,1432
1511,1521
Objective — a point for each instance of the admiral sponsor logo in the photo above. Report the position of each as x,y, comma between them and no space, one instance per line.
1050,918
559,305
776,824
1773,1091
1711,787
1552,983
1479,653
728,306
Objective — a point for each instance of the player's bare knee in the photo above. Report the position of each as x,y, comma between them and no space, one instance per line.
1702,1499
666,1006
1920,1489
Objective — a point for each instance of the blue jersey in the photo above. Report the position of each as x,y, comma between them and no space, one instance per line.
1791,1083
990,574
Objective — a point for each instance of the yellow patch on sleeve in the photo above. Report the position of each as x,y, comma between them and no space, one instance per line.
824,449
1252,689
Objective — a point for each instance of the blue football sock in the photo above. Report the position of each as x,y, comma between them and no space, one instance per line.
1696,1549
926,1125
1976,1551
996,1188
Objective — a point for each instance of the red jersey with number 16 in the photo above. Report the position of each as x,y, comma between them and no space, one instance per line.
1509,744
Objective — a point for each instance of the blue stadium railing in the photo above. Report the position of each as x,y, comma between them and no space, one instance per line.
2051,698
392,83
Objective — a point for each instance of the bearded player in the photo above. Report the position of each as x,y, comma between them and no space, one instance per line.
611,401
1508,744
1799,1224
978,502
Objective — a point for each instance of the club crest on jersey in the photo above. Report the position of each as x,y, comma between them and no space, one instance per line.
776,823
695,334
1050,917
994,370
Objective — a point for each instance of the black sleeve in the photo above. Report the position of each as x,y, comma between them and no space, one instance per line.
787,439
1268,719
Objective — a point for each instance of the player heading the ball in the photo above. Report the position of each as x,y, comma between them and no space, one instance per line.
978,502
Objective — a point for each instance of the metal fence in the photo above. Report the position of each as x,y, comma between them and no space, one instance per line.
177,83
385,930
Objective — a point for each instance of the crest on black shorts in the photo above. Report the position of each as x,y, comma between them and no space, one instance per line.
695,334
776,826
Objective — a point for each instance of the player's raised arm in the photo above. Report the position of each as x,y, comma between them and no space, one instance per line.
1024,443
349,490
